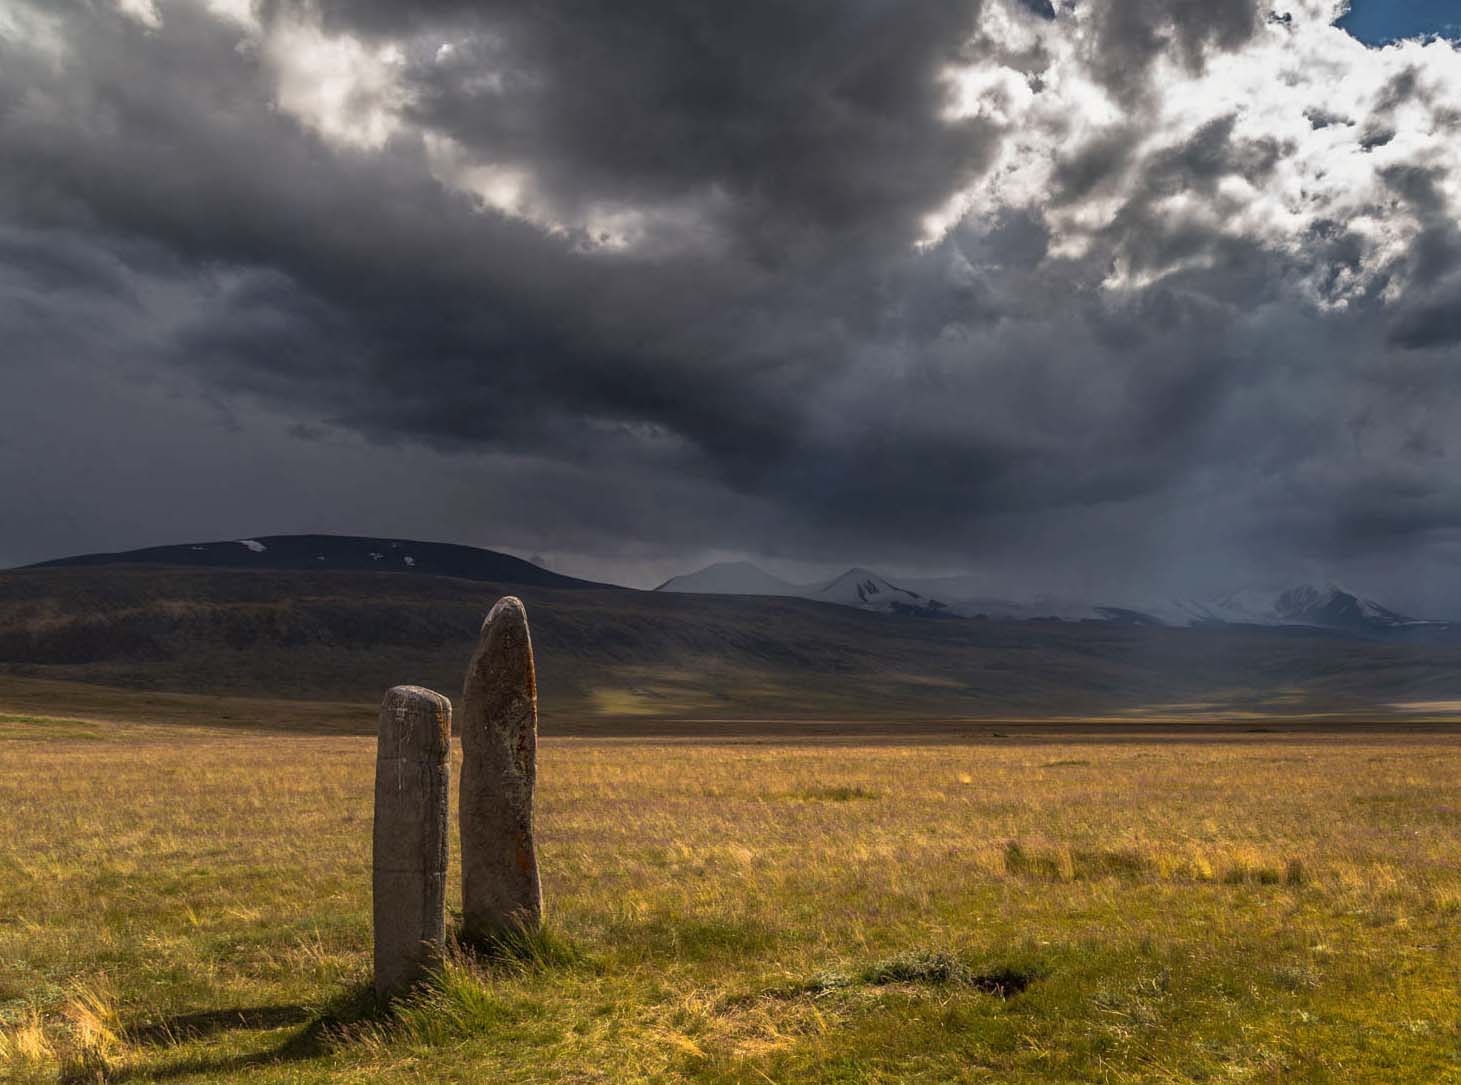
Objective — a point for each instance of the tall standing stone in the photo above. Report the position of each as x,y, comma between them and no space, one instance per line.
412,769
501,893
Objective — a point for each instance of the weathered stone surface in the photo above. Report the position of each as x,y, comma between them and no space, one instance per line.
412,770
499,728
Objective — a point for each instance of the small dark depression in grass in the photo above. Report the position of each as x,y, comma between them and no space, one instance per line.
944,969
933,968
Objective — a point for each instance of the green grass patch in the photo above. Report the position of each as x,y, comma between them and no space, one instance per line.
47,728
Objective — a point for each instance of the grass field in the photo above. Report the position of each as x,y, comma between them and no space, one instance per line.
185,902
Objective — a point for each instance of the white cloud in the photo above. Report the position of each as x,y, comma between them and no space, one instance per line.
512,190
348,91
35,31
242,12
1320,101
142,11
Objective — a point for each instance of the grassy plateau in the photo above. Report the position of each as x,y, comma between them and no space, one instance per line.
186,898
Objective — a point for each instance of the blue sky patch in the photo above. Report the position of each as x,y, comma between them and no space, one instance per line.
1376,22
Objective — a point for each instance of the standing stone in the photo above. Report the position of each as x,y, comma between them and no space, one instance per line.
412,769
501,894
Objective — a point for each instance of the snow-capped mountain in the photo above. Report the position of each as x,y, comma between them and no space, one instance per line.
1328,607
857,587
867,590
1333,606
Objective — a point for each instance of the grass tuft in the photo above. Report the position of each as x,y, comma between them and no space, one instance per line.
95,1050
460,1001
24,1048
918,966
520,949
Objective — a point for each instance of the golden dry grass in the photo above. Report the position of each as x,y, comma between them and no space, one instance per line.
190,904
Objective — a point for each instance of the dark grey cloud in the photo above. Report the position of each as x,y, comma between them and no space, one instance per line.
792,113
1131,36
640,282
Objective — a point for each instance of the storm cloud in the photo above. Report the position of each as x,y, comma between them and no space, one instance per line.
1133,294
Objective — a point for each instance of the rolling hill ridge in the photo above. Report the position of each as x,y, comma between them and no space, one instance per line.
338,552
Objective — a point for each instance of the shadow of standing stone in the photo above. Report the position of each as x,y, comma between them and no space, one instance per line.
412,769
501,893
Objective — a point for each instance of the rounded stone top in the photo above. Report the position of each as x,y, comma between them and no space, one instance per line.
419,693
411,716
506,612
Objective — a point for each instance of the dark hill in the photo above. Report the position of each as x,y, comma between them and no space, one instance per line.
339,553
612,654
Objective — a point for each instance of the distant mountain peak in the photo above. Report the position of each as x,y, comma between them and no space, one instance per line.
1332,605
857,587
1328,605
867,588
729,578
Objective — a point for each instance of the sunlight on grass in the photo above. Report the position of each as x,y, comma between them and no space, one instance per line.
195,907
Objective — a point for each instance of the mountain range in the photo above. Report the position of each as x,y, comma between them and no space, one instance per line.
343,618
1328,606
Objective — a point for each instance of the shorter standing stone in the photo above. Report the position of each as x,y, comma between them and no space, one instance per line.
412,769
501,894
